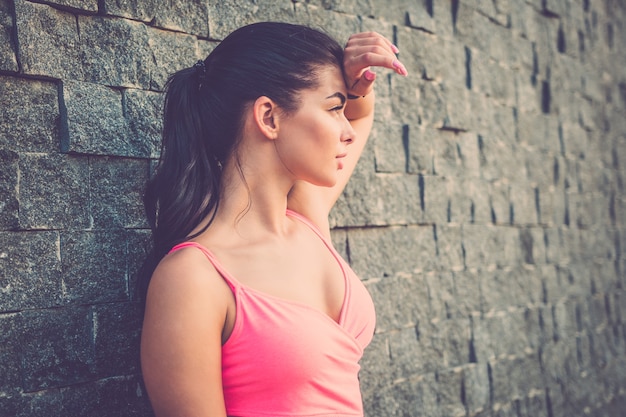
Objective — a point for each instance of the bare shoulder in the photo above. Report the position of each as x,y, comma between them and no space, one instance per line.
186,272
186,307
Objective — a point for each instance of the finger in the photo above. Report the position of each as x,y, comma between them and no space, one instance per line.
371,58
372,38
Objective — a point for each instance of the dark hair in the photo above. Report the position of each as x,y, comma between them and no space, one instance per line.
203,112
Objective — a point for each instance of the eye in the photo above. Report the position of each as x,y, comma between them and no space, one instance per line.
338,108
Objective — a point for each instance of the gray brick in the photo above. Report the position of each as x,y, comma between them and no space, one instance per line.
116,339
57,348
450,392
144,110
489,246
467,297
53,191
515,378
30,274
413,397
371,199
8,58
9,208
410,304
116,191
517,287
29,112
374,373
386,251
138,244
338,25
78,5
476,383
172,51
115,52
48,39
513,328
95,124
420,140
10,365
434,196
449,247
94,266
226,16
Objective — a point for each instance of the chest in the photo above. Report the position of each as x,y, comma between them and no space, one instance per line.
302,270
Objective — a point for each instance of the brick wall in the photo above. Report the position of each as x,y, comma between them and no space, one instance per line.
487,216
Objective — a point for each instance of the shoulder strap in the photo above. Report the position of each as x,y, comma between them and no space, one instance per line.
230,280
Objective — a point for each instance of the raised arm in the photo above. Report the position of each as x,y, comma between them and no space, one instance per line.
363,51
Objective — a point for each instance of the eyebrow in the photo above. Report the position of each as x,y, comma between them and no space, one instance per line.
338,95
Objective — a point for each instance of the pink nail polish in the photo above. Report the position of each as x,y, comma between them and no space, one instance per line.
369,75
394,48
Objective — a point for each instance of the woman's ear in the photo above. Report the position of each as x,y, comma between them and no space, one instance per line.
266,116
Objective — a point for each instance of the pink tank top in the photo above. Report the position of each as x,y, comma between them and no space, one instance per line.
284,358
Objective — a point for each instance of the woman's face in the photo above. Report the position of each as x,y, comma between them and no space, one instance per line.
313,141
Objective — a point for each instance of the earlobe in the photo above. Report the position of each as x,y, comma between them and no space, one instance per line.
266,116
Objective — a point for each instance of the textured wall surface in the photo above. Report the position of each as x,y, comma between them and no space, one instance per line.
487,215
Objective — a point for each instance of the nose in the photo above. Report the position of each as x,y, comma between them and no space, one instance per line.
348,133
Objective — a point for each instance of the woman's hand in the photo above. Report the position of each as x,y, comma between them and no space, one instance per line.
363,51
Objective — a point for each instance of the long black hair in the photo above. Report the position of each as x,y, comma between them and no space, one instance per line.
203,110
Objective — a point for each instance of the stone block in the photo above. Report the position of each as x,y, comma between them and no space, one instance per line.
138,246
121,396
115,52
31,270
450,392
57,347
381,252
8,57
49,42
492,79
403,12
449,247
10,364
413,397
390,139
78,5
515,378
375,366
490,246
420,143
411,303
180,16
503,289
512,330
226,16
523,204
144,112
454,336
116,339
499,200
53,191
172,51
29,112
373,200
117,187
339,26
9,206
410,355
94,266
94,122
477,389
467,300
435,198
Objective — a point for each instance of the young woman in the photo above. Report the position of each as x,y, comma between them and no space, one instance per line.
250,311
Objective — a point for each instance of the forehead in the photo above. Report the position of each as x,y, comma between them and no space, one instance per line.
331,79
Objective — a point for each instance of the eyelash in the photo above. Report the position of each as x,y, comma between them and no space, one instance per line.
337,108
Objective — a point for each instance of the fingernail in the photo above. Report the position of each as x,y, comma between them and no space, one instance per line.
394,48
369,75
401,69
